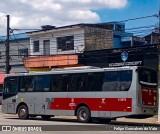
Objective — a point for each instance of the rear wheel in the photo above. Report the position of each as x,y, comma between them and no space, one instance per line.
23,112
83,114
46,117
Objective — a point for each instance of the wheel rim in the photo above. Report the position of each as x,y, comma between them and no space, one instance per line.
83,114
23,112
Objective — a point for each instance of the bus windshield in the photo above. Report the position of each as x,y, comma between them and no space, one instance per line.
147,76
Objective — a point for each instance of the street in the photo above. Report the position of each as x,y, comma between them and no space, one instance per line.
70,125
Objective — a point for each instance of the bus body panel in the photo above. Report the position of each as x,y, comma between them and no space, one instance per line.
105,104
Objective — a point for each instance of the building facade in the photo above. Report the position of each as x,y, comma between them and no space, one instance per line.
54,47
70,39
19,48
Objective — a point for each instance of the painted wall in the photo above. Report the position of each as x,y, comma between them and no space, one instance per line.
78,34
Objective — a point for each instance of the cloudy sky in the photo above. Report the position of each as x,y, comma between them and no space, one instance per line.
30,14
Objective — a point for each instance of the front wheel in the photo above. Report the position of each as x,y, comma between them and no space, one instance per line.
23,112
83,114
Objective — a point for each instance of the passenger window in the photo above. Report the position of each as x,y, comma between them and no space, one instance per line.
27,84
78,82
117,80
65,82
42,83
55,87
95,81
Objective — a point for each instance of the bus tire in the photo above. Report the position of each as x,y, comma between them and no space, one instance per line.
83,114
46,117
23,112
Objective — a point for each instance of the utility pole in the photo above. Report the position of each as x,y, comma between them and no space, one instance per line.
7,67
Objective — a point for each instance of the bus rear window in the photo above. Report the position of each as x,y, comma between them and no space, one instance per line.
147,76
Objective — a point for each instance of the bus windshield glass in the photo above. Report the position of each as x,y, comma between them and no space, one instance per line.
147,76
11,85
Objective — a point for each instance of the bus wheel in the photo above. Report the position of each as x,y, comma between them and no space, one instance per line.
46,117
23,112
83,114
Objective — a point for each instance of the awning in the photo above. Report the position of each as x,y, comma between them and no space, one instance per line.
2,78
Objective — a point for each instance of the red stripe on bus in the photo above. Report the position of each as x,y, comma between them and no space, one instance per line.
95,104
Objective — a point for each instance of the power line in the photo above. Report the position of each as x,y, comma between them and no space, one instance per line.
143,17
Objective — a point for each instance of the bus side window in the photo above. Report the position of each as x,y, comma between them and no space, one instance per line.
55,87
65,83
26,84
95,82
111,81
126,80
42,83
117,80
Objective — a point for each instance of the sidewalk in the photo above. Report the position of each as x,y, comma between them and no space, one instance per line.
151,120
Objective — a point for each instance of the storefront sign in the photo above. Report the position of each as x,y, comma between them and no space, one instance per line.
134,63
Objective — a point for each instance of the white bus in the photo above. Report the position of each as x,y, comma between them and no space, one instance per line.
84,92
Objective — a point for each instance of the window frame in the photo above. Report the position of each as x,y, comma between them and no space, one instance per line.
65,43
36,48
23,52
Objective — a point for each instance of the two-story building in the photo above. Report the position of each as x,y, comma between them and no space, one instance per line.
59,46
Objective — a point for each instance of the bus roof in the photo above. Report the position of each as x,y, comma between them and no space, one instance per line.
76,70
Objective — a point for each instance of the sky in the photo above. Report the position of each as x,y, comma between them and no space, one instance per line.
32,14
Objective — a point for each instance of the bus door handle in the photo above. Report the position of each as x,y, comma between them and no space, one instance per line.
32,98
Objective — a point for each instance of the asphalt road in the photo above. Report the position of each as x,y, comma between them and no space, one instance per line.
69,125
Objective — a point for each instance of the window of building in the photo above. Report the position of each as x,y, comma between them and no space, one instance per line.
35,46
65,43
23,52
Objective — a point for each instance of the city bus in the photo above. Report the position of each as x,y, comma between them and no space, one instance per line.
84,92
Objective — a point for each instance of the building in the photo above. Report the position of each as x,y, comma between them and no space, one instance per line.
124,39
54,47
19,48
53,40
48,45
153,38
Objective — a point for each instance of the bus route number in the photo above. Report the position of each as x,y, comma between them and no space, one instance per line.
122,99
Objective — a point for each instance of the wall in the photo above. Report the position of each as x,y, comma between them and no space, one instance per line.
52,35
98,38
15,60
